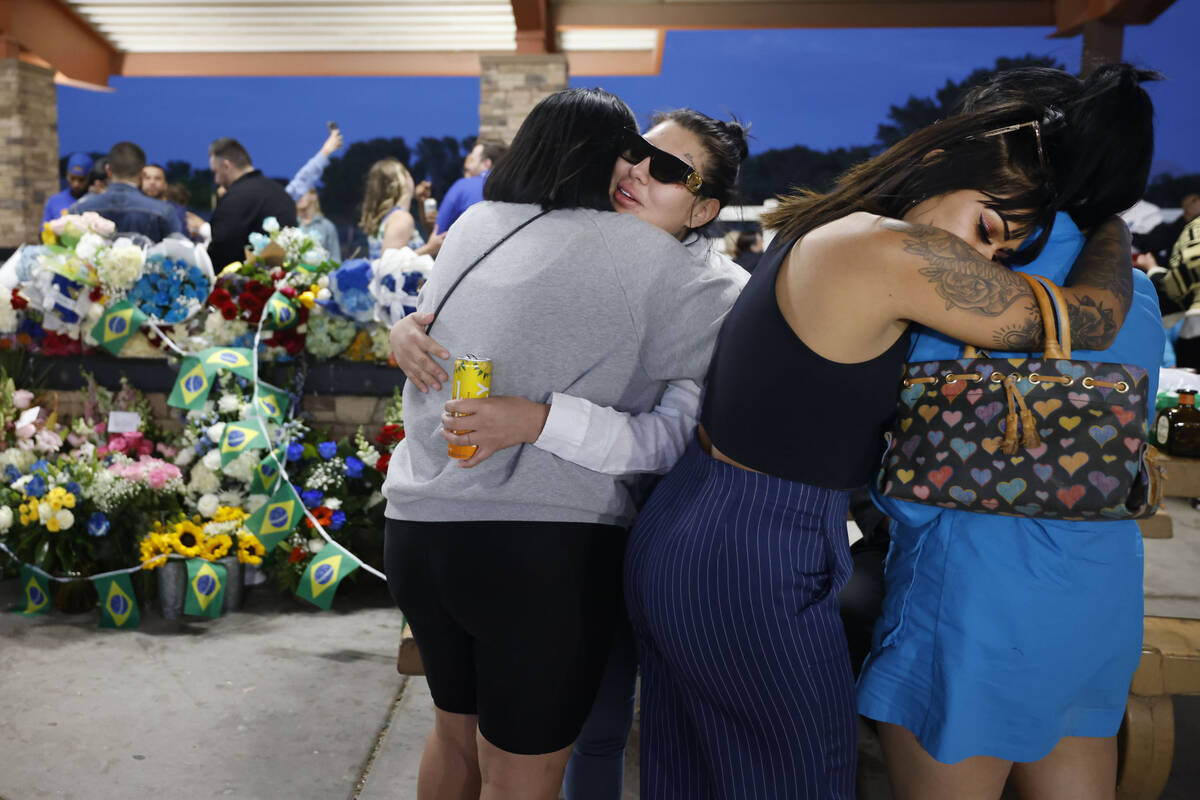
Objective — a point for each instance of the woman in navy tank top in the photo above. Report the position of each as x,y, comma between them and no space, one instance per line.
733,568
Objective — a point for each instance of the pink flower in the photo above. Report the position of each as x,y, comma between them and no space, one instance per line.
76,439
165,450
26,432
22,399
101,428
118,444
48,441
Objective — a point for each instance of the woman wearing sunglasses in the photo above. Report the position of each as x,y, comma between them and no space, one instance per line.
1006,645
677,178
734,565
509,573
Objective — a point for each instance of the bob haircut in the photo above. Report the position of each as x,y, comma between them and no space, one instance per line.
564,152
966,151
1099,134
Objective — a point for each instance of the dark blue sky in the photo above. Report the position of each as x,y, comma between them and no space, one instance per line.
821,88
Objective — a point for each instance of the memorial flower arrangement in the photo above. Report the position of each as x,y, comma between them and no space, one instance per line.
192,537
175,282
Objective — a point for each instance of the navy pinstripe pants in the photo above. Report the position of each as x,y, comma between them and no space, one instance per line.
731,578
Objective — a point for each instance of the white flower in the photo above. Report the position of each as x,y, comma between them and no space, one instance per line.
316,545
215,431
65,518
212,460
332,503
239,469
6,518
203,481
89,245
120,266
323,282
208,504
19,483
315,255
254,502
44,511
270,225
231,498
8,315
185,456
228,403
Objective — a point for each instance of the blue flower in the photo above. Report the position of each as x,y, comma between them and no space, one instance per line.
98,524
354,467
295,451
258,241
327,449
337,520
36,487
11,473
312,497
74,488
39,465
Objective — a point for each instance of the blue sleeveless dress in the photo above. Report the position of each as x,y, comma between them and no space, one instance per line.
999,636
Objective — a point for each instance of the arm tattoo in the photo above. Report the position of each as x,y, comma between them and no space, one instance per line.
1105,264
961,276
1023,335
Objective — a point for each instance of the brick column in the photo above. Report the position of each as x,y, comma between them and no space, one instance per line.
29,151
511,85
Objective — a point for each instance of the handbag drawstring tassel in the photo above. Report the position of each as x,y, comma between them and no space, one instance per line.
1027,424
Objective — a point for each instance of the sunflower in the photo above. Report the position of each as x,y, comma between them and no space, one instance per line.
250,549
154,549
216,546
187,538
229,514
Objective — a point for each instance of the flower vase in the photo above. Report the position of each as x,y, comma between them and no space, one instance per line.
233,584
76,596
172,588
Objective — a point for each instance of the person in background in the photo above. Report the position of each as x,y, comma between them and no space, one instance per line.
250,197
123,203
385,217
314,223
468,190
178,194
153,183
308,175
1158,241
747,249
78,167
97,180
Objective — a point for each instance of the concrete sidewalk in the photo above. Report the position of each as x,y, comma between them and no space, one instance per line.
283,701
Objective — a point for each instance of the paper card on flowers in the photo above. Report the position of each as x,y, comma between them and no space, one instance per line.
320,580
270,402
124,421
192,386
277,517
28,417
235,359
206,588
120,321
118,605
239,437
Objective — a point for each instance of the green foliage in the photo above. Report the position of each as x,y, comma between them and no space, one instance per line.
777,171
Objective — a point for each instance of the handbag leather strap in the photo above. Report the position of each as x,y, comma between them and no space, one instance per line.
1055,347
437,311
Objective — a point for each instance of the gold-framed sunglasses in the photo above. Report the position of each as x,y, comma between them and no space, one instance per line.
1043,162
664,167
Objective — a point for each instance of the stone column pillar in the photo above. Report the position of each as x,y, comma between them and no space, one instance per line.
28,149
511,85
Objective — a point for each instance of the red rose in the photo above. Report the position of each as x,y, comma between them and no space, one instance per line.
18,300
219,298
229,312
95,294
297,554
288,291
382,463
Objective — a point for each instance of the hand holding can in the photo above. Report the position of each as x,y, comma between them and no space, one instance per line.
472,378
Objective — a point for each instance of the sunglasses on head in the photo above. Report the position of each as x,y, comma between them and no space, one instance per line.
1043,163
664,167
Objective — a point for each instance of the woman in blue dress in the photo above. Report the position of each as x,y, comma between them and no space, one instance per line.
1006,645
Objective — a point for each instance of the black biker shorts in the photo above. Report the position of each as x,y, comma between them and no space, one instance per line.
513,620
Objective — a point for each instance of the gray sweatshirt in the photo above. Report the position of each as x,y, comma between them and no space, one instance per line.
594,304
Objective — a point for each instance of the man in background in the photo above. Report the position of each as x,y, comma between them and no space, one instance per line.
468,190
78,167
154,184
1159,240
123,202
250,197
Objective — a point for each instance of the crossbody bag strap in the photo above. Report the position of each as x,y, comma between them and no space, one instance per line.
437,311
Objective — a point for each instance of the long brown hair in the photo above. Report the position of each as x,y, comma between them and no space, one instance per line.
388,185
947,156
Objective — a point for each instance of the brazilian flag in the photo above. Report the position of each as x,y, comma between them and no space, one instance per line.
277,517
280,312
266,473
35,587
240,437
237,360
118,606
319,582
192,386
270,402
206,588
120,321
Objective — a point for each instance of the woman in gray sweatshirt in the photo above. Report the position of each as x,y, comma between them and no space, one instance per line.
509,573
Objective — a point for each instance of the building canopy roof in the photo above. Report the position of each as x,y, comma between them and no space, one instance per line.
86,41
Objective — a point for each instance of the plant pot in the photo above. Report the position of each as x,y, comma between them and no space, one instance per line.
73,597
172,588
232,600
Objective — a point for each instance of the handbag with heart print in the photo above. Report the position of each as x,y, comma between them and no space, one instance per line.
1040,436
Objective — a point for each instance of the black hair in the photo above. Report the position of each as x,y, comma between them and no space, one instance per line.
725,149
563,154
98,171
231,150
126,160
961,152
1098,132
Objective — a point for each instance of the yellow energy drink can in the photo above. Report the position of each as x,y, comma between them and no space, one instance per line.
472,378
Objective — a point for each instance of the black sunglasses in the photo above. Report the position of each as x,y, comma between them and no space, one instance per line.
664,167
